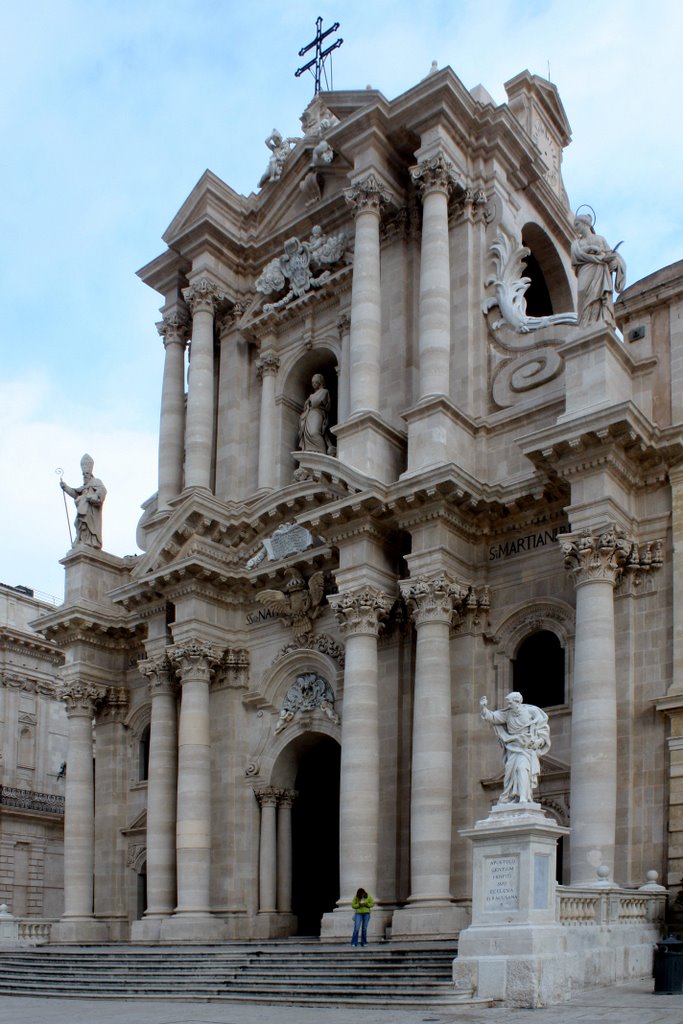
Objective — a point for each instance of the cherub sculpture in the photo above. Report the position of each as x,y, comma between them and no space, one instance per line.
300,602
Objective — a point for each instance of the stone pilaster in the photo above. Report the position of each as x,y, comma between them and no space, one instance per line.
203,298
267,368
194,662
161,789
174,329
268,800
595,561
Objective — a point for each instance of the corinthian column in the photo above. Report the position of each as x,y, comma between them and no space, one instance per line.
267,799
284,849
267,368
366,198
202,298
161,790
174,329
595,562
194,662
359,613
431,785
434,179
79,810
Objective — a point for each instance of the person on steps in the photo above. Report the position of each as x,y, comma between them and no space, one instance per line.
362,904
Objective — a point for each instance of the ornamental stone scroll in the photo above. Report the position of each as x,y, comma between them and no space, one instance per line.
308,693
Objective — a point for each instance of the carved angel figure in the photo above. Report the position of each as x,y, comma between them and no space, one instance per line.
300,602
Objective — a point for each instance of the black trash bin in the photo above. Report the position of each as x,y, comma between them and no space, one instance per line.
668,966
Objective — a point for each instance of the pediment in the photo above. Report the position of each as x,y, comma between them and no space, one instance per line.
211,203
138,824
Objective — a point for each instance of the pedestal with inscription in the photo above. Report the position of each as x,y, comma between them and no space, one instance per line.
513,950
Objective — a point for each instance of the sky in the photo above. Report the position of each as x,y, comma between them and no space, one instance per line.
111,110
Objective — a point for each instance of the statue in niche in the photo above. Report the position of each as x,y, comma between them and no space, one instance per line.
523,733
314,419
310,691
89,498
300,603
595,264
280,149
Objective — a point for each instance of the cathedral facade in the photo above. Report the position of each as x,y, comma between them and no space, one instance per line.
410,455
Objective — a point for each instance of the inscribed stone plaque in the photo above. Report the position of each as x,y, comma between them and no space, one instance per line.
541,879
501,883
288,539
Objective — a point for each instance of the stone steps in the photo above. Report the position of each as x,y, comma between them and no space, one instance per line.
304,974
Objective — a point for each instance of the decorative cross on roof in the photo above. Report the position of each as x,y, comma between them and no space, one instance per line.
316,64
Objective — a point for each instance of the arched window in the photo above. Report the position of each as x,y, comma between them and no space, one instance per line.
143,755
549,291
538,669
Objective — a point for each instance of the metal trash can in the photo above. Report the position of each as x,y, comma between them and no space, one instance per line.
668,966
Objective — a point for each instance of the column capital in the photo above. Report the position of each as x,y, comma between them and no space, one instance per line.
361,611
343,323
159,674
369,193
431,599
81,699
174,328
114,707
267,796
434,175
203,295
195,659
267,365
593,557
286,797
233,671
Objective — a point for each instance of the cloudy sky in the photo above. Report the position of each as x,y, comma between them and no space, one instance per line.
112,109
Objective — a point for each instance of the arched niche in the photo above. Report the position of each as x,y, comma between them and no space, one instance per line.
548,616
549,292
295,386
138,727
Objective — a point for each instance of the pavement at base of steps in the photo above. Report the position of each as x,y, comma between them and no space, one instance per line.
631,1003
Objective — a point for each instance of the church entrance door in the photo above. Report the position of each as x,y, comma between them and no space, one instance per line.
315,835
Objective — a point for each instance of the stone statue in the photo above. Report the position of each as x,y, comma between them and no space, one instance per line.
280,149
313,422
89,498
310,691
523,733
595,264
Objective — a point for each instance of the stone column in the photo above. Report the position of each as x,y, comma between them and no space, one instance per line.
284,850
79,810
359,613
174,329
267,367
161,789
343,397
202,297
431,788
595,561
434,178
366,198
267,799
194,661
111,780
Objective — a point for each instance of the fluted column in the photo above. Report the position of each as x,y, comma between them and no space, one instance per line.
366,198
267,367
431,783
174,329
161,789
79,810
284,849
268,798
202,297
359,613
595,561
435,179
194,662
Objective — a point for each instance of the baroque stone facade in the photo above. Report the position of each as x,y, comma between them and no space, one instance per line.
285,686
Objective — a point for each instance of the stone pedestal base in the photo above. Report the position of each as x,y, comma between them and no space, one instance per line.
83,930
438,434
337,926
424,922
274,925
193,928
148,929
371,446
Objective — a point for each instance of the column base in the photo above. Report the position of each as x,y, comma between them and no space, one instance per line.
438,434
337,926
80,929
148,929
519,966
429,921
270,924
371,446
193,928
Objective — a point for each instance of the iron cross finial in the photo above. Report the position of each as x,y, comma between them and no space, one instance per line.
316,64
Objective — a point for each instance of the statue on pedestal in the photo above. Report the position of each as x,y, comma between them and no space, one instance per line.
89,498
523,733
595,263
314,419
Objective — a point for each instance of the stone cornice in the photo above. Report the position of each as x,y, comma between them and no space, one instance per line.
92,626
21,642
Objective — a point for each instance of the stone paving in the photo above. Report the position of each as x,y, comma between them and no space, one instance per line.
631,1003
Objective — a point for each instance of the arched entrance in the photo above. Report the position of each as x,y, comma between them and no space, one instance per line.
315,833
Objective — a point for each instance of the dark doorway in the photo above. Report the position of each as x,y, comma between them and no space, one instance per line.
315,835
538,670
142,891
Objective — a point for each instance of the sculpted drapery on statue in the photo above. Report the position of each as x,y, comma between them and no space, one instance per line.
89,498
595,264
314,420
523,733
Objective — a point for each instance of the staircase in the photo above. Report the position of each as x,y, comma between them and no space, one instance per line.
296,973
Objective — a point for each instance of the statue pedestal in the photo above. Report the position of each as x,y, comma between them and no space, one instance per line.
513,950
